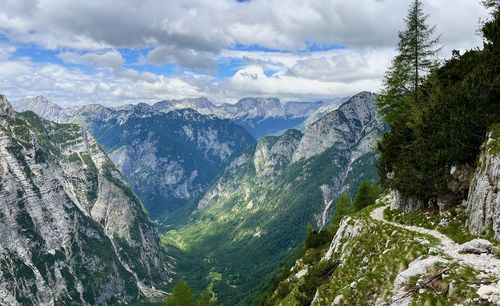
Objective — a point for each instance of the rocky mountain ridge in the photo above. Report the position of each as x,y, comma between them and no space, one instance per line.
72,231
246,108
260,116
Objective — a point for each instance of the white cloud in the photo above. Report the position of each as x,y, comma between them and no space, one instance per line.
253,81
20,78
6,51
200,33
185,57
111,59
210,25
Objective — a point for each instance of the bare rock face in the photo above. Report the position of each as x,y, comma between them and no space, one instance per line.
71,230
5,107
404,203
490,293
348,229
43,108
353,120
271,156
483,203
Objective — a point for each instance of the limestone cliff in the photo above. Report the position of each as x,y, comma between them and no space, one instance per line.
483,202
71,232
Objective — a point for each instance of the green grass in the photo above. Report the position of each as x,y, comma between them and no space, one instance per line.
370,262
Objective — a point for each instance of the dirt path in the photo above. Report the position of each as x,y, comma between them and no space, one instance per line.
485,263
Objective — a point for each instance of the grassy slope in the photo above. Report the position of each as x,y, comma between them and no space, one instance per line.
371,262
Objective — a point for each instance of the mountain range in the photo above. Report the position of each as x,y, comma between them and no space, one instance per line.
260,116
228,206
167,158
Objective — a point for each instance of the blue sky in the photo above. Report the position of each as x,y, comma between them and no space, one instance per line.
125,51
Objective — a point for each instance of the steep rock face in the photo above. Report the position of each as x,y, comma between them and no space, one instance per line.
168,158
71,230
404,203
322,111
264,200
348,229
351,121
273,156
483,203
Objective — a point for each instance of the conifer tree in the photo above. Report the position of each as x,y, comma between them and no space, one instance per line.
417,56
182,295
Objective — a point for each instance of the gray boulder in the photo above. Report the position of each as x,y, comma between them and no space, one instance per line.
477,246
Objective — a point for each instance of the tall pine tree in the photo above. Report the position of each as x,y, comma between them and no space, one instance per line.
417,56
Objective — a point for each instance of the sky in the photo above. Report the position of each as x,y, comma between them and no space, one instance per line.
130,51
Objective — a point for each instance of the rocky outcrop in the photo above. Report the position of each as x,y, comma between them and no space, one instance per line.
490,293
348,229
483,202
457,187
404,203
71,232
455,193
477,246
5,107
420,267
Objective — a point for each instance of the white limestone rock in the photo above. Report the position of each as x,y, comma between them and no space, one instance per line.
477,246
420,266
483,202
